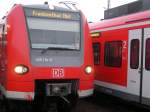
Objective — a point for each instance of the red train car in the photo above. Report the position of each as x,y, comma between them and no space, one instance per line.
122,56
45,53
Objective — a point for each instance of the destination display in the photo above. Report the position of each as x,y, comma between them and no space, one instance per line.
52,14
95,34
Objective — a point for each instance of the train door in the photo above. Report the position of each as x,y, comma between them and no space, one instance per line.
146,68
139,65
134,64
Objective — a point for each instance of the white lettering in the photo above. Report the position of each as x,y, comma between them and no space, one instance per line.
58,73
43,59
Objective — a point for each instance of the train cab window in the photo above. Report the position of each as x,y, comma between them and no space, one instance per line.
96,52
147,56
64,34
134,54
113,53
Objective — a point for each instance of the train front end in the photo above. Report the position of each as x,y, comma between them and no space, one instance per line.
48,53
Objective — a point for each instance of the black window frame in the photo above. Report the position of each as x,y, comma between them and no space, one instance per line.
146,56
4,35
136,64
107,50
28,14
97,49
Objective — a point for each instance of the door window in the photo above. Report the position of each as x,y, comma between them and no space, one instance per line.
134,54
147,56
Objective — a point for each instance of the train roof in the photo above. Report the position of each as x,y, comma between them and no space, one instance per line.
131,18
40,6
46,6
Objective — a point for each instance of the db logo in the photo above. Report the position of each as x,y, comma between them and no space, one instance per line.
58,73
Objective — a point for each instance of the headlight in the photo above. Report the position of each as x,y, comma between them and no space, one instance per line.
21,69
88,69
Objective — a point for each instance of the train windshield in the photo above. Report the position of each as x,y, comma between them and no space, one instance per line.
54,33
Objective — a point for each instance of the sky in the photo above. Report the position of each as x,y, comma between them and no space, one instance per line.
93,9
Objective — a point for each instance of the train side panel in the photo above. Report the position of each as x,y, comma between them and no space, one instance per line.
124,73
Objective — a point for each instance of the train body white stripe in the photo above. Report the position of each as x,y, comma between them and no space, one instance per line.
30,95
110,85
20,95
17,94
85,93
122,26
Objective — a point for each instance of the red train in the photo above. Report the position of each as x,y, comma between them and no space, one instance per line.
122,56
44,54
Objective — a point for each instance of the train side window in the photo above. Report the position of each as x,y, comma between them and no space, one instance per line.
1,29
1,33
4,32
96,52
147,55
113,53
134,54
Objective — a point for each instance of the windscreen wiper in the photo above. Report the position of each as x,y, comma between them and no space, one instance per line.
55,48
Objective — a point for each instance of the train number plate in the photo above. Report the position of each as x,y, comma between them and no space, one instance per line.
58,73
